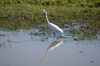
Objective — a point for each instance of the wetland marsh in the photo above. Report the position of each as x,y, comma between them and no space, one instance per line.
38,47
26,40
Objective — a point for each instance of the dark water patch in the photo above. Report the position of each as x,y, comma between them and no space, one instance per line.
2,44
2,34
91,61
81,51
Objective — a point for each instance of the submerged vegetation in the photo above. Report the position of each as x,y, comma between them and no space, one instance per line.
15,14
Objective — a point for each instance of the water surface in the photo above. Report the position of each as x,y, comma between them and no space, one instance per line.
19,48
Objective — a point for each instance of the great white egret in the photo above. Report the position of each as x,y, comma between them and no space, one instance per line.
53,26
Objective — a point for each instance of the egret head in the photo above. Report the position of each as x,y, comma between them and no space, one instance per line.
43,10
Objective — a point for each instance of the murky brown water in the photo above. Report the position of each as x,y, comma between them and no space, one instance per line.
19,48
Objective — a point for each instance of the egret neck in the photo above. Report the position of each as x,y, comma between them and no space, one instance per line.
47,18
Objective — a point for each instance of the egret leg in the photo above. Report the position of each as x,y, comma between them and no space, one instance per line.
58,34
54,34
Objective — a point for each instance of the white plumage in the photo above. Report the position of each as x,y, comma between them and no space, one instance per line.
53,26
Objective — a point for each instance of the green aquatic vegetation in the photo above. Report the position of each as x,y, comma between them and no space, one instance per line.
2,44
81,31
90,34
2,34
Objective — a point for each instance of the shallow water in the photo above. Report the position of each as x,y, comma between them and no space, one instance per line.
19,48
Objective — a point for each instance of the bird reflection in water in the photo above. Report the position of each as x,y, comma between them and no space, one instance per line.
53,45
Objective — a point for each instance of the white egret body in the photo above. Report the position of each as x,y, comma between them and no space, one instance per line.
53,26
